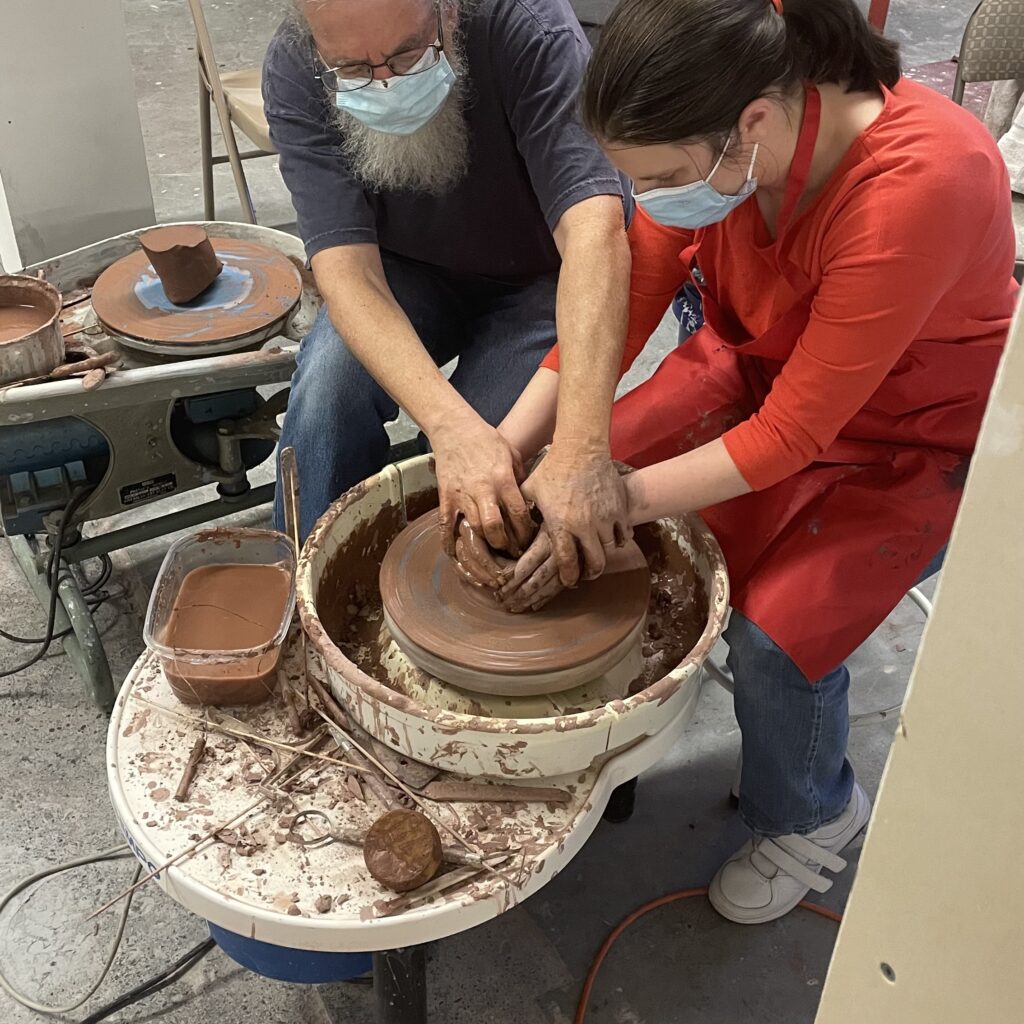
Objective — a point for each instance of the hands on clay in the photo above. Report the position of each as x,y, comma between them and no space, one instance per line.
582,500
478,474
478,563
538,576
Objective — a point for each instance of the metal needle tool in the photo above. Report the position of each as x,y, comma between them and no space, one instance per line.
290,483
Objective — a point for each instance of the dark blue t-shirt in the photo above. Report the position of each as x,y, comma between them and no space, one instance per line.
530,158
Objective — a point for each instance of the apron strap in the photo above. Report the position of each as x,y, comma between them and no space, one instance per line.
800,169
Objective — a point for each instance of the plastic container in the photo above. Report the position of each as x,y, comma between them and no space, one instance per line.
219,613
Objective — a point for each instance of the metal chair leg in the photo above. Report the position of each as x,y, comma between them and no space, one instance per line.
206,148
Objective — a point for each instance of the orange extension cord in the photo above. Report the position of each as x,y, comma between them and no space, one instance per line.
672,897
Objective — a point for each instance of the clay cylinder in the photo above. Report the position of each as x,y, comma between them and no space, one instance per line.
402,850
183,259
31,343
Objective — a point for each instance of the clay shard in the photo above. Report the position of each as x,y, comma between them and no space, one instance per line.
402,850
184,260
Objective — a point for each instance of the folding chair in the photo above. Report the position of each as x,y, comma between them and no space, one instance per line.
238,100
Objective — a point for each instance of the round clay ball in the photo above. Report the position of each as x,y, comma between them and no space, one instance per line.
402,850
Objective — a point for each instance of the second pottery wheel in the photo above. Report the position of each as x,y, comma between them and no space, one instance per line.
253,294
459,633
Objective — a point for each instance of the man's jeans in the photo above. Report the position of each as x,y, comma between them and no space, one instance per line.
795,774
337,411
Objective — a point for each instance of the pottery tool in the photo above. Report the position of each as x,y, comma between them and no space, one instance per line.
460,634
402,850
330,832
289,480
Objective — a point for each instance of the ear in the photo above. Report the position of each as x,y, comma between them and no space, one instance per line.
755,119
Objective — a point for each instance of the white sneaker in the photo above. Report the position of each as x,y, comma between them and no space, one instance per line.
767,878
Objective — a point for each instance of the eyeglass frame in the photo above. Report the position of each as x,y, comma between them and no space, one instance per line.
438,45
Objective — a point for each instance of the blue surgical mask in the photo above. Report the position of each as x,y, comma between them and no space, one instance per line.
698,204
403,104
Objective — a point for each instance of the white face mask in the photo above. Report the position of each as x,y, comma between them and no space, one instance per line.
698,204
403,104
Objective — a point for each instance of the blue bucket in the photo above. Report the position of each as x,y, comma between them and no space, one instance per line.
282,963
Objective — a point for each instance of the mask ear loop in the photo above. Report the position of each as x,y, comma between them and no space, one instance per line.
753,157
718,162
725,149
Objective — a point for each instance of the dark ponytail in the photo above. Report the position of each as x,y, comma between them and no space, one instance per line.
674,70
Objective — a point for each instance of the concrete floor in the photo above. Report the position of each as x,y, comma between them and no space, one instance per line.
681,965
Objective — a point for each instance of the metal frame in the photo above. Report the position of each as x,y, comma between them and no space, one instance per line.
211,90
960,80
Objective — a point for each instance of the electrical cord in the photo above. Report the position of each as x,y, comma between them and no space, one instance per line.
53,580
148,988
114,853
674,897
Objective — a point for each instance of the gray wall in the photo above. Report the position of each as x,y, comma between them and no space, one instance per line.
72,163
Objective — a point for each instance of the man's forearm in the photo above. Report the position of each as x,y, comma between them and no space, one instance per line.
379,334
591,318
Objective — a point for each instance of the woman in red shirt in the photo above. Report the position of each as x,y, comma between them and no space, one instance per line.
850,234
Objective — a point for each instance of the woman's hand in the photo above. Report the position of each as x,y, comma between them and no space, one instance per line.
535,579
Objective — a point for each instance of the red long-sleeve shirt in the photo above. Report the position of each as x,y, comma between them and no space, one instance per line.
910,239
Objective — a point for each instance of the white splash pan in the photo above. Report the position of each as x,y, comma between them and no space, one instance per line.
476,745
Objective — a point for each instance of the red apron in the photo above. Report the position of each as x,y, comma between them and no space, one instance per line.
820,559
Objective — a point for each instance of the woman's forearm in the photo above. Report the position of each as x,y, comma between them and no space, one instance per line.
694,480
530,423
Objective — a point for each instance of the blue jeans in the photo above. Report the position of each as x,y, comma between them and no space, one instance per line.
795,774
337,411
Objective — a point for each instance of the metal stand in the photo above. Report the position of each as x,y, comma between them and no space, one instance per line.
83,646
400,985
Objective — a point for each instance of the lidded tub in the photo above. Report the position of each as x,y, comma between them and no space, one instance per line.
339,605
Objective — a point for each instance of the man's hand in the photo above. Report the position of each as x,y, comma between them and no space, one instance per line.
583,501
478,476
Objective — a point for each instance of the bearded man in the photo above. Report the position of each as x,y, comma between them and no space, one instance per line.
452,207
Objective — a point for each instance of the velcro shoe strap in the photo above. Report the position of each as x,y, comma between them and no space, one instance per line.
776,852
801,846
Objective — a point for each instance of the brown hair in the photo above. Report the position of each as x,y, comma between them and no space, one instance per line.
674,70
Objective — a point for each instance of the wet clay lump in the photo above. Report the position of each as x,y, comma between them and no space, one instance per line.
184,260
402,850
226,608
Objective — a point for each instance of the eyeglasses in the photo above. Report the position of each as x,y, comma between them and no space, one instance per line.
349,77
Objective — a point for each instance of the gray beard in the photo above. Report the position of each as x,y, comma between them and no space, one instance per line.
433,159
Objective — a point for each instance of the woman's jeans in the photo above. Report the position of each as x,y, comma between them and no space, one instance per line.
795,775
337,411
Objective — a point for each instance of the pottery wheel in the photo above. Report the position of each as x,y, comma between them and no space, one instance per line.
255,292
460,634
